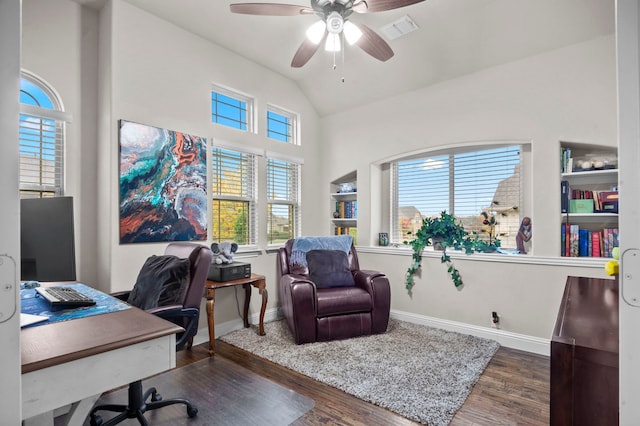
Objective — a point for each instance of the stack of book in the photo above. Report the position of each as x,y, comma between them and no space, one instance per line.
347,209
577,242
603,201
346,230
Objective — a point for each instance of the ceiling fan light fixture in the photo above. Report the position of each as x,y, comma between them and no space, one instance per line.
316,31
333,43
335,23
351,32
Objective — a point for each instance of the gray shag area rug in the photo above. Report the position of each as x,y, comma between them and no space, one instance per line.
422,373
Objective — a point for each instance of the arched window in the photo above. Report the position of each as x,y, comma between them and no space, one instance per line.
42,122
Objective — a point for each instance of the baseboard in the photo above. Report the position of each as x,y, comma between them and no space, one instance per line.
505,338
236,324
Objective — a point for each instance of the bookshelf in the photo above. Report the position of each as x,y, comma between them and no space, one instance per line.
344,205
588,200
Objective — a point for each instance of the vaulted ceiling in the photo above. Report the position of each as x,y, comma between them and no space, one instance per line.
455,37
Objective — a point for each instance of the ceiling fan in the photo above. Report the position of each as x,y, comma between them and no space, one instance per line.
334,14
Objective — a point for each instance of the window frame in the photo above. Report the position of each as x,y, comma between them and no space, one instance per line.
451,153
240,97
292,200
293,125
55,118
251,180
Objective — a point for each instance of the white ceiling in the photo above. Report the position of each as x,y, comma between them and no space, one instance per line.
456,37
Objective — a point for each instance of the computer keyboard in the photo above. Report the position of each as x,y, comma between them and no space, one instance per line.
64,296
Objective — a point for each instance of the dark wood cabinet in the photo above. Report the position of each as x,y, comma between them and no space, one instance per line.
584,354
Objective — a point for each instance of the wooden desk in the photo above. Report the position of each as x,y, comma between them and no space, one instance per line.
584,354
74,362
258,281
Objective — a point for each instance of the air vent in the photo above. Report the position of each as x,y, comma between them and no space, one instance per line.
398,28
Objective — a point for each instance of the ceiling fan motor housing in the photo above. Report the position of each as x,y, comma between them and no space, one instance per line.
335,23
328,8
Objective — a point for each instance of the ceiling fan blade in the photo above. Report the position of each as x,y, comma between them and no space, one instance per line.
373,44
381,5
306,50
360,6
270,9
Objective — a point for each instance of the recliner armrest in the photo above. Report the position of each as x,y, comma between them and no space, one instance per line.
377,284
289,279
298,298
364,278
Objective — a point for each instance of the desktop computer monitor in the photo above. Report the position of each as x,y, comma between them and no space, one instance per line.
47,246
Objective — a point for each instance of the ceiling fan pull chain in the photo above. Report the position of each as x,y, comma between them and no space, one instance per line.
345,48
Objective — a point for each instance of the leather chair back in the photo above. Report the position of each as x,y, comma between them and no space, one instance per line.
284,254
200,257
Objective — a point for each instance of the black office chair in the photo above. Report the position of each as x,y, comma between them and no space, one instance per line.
170,286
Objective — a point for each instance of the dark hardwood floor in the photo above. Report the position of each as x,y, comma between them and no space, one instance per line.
513,390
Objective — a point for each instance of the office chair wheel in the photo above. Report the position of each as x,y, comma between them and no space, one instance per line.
95,420
155,396
192,411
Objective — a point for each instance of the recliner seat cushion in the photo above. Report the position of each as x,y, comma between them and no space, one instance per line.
329,268
161,282
340,301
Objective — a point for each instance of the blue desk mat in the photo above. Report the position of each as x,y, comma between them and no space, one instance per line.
32,303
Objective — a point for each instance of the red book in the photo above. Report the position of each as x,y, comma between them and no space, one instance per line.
595,244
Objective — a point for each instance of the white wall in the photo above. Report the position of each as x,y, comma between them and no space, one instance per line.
10,391
568,95
59,45
155,73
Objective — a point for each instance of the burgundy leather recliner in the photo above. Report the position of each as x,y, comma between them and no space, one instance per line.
321,314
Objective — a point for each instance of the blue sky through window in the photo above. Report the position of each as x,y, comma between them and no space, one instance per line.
425,183
228,111
278,127
31,94
37,135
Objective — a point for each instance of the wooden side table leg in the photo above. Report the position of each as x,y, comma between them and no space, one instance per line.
211,298
247,299
263,308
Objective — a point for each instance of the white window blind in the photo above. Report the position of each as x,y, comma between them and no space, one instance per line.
283,200
464,184
42,135
234,201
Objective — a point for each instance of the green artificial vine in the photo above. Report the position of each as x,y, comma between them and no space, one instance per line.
443,232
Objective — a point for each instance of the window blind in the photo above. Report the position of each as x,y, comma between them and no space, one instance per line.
283,198
464,184
41,156
233,193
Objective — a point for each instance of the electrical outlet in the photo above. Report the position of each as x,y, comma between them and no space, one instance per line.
495,320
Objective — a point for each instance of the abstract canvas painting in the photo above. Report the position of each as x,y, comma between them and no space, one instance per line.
163,194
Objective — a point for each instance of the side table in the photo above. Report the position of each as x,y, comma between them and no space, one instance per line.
255,280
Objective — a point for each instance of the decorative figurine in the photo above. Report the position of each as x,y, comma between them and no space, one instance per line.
524,235
224,252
